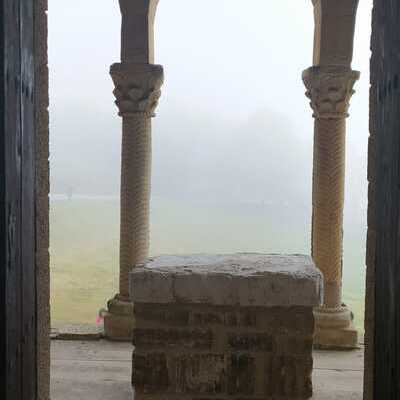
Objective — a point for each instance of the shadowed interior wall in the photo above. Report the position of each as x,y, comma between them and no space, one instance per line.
42,200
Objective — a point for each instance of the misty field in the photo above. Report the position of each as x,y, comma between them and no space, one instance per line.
84,245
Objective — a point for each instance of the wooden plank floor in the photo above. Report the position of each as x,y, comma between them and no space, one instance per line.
100,370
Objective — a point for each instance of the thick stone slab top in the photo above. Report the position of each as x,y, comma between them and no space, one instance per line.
234,279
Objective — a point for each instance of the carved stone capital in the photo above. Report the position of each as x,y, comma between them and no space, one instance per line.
330,90
137,88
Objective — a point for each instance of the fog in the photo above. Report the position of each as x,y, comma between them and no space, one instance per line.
232,140
233,130
233,122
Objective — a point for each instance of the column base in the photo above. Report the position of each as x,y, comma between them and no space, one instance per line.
118,320
334,329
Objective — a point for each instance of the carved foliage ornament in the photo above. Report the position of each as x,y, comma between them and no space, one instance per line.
330,90
137,88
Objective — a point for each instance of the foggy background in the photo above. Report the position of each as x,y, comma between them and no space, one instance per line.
233,122
233,134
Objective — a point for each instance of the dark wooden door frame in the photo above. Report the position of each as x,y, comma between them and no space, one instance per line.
17,202
384,221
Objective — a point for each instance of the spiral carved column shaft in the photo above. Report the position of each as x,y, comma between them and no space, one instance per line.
137,91
330,90
328,201
135,196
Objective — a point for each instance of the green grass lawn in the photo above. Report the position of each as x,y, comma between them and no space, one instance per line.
84,241
84,258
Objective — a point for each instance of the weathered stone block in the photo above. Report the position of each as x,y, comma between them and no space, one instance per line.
170,338
147,313
288,376
238,279
150,373
241,374
250,341
201,374
226,337
206,318
244,317
293,345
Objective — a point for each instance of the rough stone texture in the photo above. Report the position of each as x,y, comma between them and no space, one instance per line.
238,279
42,200
210,327
137,31
222,351
334,31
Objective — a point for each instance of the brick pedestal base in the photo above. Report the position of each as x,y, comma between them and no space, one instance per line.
255,352
223,327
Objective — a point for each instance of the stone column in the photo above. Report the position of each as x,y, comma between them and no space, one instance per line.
330,89
137,91
329,86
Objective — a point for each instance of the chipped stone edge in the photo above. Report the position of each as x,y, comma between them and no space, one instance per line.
182,288
77,332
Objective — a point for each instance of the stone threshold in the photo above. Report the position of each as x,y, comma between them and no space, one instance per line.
84,332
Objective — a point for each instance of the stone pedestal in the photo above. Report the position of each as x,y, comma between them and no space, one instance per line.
118,320
334,329
234,326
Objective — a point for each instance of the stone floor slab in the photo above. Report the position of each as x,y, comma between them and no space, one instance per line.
339,360
101,370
